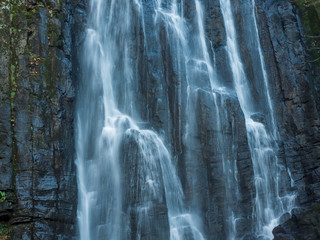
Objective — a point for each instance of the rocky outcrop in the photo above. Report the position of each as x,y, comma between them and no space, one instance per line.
37,94
162,87
144,201
302,225
292,81
218,141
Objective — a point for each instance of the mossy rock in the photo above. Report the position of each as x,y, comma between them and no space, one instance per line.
4,231
316,208
309,11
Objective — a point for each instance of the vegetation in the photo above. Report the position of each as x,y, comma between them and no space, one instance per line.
309,11
3,196
4,232
316,208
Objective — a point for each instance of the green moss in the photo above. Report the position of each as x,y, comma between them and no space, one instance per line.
15,8
28,11
53,34
13,86
50,74
309,13
3,196
35,63
316,208
4,231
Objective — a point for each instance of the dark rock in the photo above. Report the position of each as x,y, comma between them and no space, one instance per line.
304,225
258,117
37,155
6,169
216,136
291,85
143,188
291,80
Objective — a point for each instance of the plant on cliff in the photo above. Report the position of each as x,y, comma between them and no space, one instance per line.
4,232
309,11
3,196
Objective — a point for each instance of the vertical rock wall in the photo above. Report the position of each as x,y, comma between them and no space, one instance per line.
36,124
294,79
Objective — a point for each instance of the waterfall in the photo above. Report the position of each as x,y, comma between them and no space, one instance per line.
129,173
100,126
269,174
103,130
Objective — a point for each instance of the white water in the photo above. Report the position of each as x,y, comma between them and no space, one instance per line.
101,128
229,166
264,72
268,173
193,51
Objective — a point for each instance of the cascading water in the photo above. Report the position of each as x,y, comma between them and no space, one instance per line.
99,129
270,203
126,173
103,130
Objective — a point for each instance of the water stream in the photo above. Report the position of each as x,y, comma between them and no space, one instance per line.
269,175
126,171
101,130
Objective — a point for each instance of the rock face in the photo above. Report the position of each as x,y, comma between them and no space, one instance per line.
293,86
144,200
36,125
219,142
294,81
302,225
292,89
40,43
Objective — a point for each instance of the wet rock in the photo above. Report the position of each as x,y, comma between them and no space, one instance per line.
258,117
37,154
6,170
303,225
218,138
215,30
144,201
291,84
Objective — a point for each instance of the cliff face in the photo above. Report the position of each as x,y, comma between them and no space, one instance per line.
37,169
40,43
294,87
293,80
